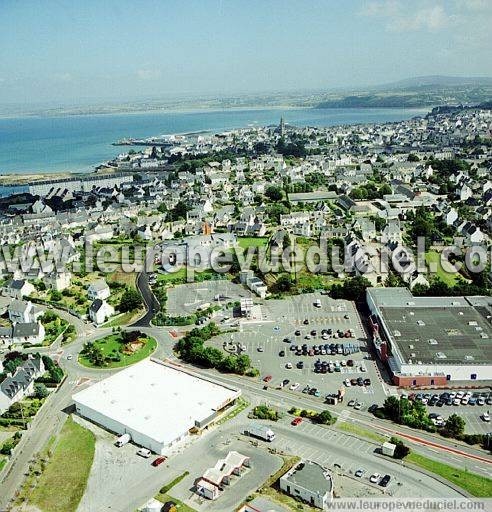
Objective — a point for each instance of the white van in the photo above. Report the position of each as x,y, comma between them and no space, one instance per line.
122,440
143,452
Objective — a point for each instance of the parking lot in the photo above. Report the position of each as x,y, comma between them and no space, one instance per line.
344,454
186,299
472,412
297,321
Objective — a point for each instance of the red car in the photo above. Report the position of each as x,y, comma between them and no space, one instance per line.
158,461
296,421
268,378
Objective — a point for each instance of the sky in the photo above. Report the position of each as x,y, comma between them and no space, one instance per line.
69,52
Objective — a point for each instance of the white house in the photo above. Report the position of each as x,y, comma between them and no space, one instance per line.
23,312
100,311
98,290
58,280
28,333
18,288
309,482
21,383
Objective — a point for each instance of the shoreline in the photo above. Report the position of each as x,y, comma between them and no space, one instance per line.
205,110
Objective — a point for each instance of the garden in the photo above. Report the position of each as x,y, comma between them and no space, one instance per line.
121,348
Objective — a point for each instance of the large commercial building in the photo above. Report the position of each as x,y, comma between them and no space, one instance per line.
156,404
430,341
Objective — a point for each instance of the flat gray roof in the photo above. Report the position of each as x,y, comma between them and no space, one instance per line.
459,334
311,476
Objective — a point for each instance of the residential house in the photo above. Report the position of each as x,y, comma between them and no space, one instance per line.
98,290
100,311
23,312
20,384
18,288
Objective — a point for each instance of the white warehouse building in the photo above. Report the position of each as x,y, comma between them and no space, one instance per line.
156,404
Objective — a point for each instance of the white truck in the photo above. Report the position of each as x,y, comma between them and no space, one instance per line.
388,449
122,440
261,432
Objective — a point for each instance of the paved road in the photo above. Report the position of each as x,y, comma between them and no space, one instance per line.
437,448
152,305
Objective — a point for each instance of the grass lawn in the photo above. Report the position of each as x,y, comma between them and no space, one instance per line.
476,485
182,507
111,346
179,275
3,461
123,318
352,428
435,257
246,241
62,484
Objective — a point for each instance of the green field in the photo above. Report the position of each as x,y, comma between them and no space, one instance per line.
111,346
352,428
3,461
476,485
62,484
445,277
246,241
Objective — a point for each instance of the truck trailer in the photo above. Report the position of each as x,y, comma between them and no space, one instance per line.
261,432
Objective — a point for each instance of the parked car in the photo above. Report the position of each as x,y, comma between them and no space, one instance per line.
260,349
358,406
158,461
367,382
296,421
385,481
267,378
288,366
347,382
300,365
360,473
351,403
294,386
282,353
374,478
360,381
285,382
306,389
143,452
486,416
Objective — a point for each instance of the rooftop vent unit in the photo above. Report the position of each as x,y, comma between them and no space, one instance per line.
412,354
484,335
411,313
397,334
469,358
460,313
411,347
455,303
411,303
441,355
421,323
432,341
472,322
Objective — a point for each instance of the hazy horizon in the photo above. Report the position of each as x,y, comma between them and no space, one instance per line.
60,53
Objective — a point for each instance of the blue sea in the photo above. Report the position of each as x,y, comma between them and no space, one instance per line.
78,143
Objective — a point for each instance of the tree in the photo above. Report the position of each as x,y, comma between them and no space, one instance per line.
283,283
56,295
274,193
325,418
130,300
455,426
401,450
412,157
40,391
